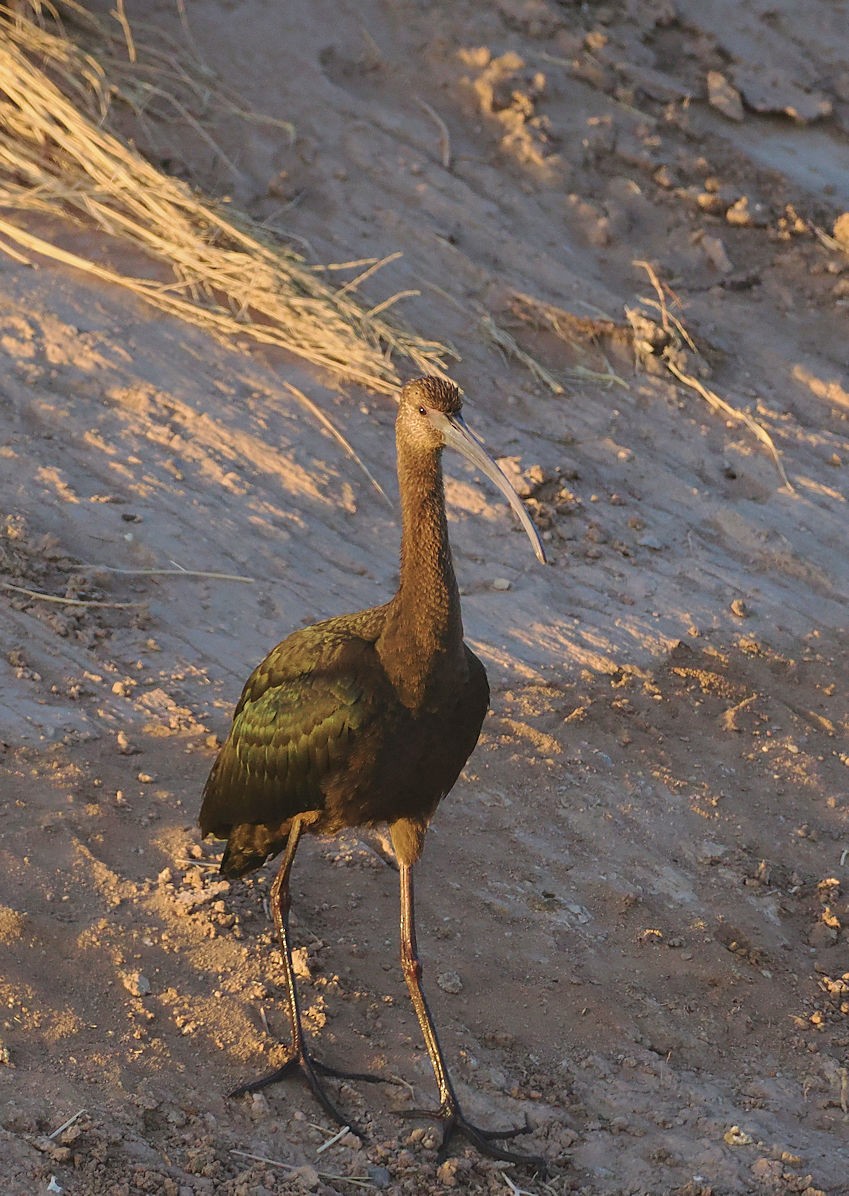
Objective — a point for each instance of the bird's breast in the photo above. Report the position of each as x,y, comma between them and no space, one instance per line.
413,754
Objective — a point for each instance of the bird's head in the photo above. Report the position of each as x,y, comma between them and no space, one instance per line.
424,408
429,419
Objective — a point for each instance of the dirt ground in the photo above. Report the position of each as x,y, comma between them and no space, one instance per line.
633,907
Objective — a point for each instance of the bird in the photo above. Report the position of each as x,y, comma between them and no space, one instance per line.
367,719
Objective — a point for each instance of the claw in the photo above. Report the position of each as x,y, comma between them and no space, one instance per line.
307,1067
454,1122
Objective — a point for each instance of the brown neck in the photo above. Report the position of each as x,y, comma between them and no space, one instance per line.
423,636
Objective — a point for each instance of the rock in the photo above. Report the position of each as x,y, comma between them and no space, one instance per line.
743,215
449,982
308,1177
136,983
715,253
513,468
768,1172
822,935
501,583
737,1137
770,90
841,229
55,1152
124,746
711,853
446,1173
712,202
723,96
300,963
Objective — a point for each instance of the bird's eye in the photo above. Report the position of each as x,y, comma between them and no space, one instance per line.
422,411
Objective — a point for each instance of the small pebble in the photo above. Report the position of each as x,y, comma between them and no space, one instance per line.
743,215
841,229
380,1176
739,608
136,983
300,963
446,1173
124,746
501,583
307,1176
449,982
723,96
716,254
737,1137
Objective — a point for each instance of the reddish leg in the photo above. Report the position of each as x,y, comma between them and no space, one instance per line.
297,1055
449,1112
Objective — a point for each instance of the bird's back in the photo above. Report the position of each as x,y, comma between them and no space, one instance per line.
321,729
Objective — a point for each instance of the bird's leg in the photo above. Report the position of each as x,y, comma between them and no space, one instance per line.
449,1111
297,1055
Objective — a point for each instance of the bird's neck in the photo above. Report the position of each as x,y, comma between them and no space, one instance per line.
422,644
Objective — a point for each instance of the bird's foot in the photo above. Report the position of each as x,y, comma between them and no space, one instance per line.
365,1076
300,1060
454,1122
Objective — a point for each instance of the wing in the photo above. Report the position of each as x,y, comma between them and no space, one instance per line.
297,722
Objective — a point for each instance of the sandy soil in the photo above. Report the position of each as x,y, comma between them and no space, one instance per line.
633,907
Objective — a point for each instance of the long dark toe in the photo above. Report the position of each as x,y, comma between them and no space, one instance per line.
501,1135
454,1122
271,1077
307,1067
484,1141
337,1074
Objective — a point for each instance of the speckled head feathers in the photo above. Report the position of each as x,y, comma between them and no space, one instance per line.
437,393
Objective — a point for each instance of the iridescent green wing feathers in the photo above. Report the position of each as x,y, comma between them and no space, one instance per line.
296,722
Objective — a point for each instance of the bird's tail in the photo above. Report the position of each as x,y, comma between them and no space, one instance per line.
248,847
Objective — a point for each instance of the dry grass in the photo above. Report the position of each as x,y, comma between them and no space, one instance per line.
575,331
508,345
675,329
58,157
670,351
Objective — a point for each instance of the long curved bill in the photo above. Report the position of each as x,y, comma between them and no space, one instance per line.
458,435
